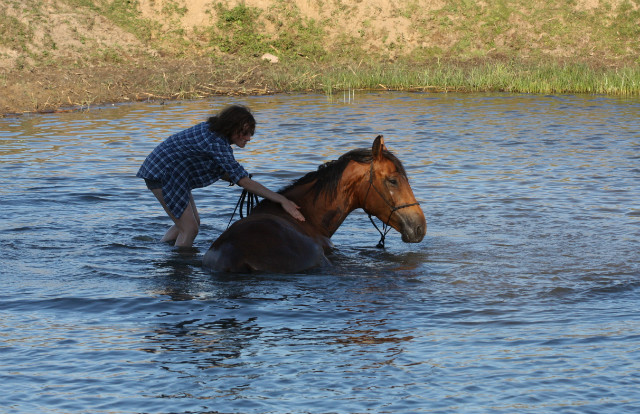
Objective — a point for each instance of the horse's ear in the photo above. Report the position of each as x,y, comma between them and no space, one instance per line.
378,147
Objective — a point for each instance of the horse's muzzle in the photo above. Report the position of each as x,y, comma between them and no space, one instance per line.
413,227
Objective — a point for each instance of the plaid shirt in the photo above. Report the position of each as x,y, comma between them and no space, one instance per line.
193,158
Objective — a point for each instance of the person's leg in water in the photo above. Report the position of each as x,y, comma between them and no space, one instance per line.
185,229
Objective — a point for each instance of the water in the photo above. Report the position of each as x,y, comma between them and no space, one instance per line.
523,297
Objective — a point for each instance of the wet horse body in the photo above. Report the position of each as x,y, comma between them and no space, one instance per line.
271,240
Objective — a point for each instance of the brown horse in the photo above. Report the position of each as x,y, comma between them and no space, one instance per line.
271,240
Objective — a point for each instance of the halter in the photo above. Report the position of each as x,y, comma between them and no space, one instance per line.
385,226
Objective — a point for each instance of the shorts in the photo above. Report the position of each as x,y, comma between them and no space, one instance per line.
153,184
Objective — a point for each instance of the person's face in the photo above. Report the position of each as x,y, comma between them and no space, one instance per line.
241,137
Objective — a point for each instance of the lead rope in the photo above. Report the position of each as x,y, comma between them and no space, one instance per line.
383,232
248,200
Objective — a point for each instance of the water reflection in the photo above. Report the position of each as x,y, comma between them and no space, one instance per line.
201,344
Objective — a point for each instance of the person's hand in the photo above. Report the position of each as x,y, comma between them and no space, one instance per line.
293,209
258,189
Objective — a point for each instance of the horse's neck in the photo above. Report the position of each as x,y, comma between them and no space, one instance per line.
325,213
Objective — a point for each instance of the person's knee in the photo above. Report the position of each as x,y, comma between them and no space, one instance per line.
195,230
190,229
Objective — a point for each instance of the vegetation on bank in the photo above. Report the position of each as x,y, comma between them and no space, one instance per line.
493,76
474,62
531,46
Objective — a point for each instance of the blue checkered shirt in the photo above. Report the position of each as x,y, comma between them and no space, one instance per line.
193,158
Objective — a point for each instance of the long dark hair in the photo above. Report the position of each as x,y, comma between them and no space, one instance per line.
232,119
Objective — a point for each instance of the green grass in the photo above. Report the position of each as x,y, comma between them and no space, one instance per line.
124,14
13,33
551,78
237,30
240,30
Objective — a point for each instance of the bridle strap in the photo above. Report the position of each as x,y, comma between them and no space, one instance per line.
385,225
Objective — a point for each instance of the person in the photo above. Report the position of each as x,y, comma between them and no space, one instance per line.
197,157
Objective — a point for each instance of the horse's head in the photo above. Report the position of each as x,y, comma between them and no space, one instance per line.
390,197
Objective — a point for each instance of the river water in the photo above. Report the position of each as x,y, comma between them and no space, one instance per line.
522,298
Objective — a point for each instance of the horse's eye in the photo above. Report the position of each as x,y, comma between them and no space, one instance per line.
392,181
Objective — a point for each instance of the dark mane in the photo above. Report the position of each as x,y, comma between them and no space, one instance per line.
328,175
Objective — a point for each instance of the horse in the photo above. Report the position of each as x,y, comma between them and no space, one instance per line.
270,240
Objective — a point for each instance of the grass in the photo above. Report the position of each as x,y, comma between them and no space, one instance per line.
549,78
124,13
13,33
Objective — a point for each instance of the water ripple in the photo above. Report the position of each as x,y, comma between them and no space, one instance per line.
522,297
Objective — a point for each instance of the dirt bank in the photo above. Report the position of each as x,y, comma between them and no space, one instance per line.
54,88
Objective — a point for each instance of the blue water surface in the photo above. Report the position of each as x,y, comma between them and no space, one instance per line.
522,298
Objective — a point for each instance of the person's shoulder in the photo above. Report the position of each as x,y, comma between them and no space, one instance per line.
217,139
192,130
201,129
198,132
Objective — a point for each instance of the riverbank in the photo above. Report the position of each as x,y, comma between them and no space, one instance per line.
54,89
69,54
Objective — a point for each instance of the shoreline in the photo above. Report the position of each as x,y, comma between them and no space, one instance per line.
54,89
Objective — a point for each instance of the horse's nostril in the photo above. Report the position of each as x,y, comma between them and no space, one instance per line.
419,230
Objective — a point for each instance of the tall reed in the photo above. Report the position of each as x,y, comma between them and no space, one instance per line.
551,78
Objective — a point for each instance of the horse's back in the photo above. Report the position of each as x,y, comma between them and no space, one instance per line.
263,242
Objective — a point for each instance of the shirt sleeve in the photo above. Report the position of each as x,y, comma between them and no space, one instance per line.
223,156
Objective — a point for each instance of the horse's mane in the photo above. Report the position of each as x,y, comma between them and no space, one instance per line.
328,175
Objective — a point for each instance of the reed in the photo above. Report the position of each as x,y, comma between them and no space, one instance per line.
545,78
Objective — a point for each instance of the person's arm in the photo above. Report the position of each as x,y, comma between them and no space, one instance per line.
262,191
